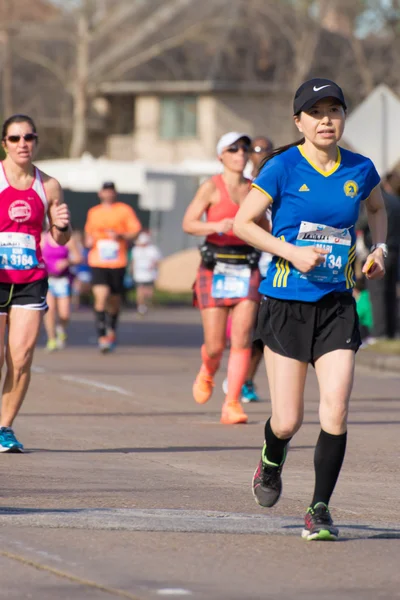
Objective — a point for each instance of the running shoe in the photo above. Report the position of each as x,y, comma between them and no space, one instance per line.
142,310
112,339
249,393
61,339
319,525
51,345
8,441
225,386
233,413
267,481
104,344
203,387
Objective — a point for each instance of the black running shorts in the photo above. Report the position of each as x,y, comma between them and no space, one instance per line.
112,278
31,296
306,331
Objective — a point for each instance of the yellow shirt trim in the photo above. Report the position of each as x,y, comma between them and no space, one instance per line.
282,271
324,173
257,187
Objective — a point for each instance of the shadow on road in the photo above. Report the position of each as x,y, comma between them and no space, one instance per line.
137,333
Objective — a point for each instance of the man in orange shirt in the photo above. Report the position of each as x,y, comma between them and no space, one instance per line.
110,227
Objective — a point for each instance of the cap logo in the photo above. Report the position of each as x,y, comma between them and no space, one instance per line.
316,89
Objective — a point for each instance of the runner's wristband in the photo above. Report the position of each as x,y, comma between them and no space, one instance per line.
62,229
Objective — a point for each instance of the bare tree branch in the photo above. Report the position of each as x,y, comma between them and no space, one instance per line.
147,29
42,61
118,16
155,50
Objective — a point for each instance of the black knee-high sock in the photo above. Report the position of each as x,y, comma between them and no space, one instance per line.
100,322
112,320
328,460
275,446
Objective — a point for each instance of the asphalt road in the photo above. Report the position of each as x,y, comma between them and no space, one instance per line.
128,489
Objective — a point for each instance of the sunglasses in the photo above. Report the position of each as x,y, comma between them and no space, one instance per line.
260,149
28,137
236,147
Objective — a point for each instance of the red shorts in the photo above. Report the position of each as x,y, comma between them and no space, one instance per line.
202,297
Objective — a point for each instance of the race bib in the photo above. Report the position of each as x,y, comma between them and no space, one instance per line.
108,249
17,251
336,241
230,281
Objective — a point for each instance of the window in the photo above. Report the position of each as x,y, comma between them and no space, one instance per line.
178,117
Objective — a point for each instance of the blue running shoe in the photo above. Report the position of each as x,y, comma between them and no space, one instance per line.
249,393
8,441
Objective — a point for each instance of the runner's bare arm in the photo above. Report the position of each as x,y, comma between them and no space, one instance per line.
249,225
377,221
75,253
377,217
88,237
247,228
133,227
192,222
58,212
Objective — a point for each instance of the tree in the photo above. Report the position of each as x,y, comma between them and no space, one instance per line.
105,40
6,40
90,45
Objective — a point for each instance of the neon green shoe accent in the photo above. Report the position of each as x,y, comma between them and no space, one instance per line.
51,345
268,462
322,536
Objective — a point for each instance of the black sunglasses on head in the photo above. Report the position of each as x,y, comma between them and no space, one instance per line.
28,137
236,147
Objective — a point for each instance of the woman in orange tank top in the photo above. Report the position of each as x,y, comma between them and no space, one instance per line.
228,277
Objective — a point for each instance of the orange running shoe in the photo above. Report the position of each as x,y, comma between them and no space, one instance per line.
203,387
232,413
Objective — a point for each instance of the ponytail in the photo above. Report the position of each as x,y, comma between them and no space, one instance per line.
278,151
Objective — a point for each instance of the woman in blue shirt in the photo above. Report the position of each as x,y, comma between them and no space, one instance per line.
307,313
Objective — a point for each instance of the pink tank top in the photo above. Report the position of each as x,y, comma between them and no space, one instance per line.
224,209
22,215
52,254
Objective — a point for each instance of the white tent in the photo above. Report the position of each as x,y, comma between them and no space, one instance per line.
373,128
87,174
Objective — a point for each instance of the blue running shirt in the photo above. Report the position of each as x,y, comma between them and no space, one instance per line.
310,206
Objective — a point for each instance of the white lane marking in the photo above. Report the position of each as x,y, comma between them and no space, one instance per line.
49,555
173,592
88,382
96,384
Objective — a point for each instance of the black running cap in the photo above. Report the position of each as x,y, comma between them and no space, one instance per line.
316,89
108,185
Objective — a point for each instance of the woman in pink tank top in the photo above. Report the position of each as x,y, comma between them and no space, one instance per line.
27,197
58,260
228,277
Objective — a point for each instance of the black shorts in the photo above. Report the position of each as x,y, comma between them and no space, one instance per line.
31,296
306,331
112,278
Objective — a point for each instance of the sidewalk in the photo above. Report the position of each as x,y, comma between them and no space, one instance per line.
381,362
377,359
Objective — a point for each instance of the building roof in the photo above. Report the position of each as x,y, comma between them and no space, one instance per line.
188,87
